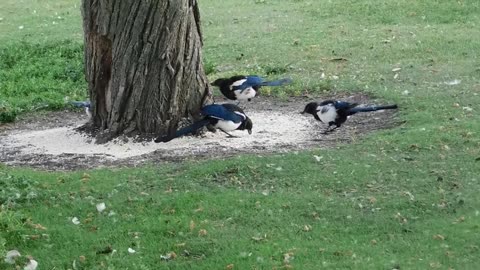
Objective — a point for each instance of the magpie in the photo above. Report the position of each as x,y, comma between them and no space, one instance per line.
225,117
241,87
335,112
83,104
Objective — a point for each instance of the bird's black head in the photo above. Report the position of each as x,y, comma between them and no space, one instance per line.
310,108
246,124
218,82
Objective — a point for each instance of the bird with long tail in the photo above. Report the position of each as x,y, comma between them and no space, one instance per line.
335,112
225,117
241,87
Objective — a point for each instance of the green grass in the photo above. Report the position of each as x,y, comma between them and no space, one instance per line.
405,197
37,77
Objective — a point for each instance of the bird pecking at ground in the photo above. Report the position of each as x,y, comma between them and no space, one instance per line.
335,112
225,117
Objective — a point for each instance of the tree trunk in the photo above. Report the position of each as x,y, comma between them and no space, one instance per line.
143,65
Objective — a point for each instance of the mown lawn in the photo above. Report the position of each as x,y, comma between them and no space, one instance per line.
403,198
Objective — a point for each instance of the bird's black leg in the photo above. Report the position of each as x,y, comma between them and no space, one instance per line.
329,129
229,135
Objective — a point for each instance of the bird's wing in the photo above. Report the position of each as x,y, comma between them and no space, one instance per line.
239,82
248,81
223,112
343,105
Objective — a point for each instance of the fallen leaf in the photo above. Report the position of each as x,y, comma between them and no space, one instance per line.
75,221
259,238
396,69
453,82
307,228
461,219
131,250
202,232
287,257
373,242
192,225
169,256
38,226
34,237
31,265
318,158
82,258
101,207
230,266
12,256
439,237
338,59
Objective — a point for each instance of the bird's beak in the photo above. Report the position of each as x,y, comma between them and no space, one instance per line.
302,112
250,131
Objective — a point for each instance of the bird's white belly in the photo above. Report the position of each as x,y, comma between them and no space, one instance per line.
248,93
328,116
227,125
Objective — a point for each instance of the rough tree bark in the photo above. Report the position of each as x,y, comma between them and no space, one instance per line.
143,65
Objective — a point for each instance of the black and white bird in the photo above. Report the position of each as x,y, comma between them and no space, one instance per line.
225,117
83,104
335,112
241,87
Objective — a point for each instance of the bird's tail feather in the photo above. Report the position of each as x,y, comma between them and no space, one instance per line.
183,131
372,108
277,82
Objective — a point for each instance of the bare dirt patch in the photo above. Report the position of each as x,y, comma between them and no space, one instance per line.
49,141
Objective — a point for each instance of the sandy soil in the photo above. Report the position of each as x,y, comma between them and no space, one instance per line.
49,141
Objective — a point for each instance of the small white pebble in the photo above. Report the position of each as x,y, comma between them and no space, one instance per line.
131,250
20,27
